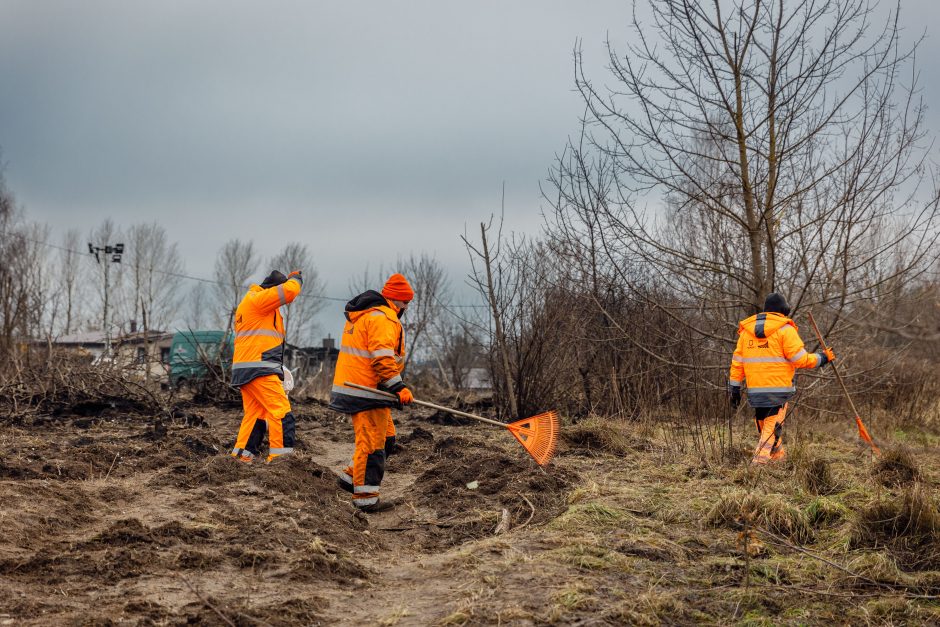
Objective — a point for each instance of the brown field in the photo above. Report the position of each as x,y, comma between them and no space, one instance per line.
112,516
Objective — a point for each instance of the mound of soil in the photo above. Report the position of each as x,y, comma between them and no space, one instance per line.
446,418
497,480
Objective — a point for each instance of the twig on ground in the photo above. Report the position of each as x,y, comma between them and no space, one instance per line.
531,514
112,466
504,524
206,602
774,539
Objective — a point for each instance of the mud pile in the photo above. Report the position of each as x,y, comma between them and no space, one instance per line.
152,519
471,480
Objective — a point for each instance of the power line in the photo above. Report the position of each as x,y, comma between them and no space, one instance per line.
190,277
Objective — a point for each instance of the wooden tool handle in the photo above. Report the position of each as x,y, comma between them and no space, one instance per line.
389,395
822,343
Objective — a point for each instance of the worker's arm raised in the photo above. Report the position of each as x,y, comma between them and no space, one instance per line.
271,298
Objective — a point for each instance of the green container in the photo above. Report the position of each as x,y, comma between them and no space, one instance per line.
194,352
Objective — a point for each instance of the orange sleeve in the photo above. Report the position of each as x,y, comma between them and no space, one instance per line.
794,350
271,298
382,342
736,376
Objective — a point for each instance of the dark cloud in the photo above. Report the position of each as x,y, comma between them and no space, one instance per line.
371,129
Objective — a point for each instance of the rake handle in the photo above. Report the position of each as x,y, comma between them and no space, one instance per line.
822,343
425,404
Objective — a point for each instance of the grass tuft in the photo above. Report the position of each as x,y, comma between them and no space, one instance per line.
600,435
770,511
907,525
826,511
896,468
816,476
591,517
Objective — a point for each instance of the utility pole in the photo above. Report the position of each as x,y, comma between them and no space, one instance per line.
111,254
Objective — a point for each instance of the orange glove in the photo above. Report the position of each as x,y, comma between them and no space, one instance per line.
829,354
405,396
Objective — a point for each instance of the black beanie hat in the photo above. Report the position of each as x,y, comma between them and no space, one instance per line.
776,303
273,279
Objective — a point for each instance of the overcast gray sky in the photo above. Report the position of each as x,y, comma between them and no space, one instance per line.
365,130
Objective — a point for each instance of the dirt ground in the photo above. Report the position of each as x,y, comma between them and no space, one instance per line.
111,516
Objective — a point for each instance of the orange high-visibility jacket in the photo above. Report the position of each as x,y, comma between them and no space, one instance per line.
259,331
371,353
768,353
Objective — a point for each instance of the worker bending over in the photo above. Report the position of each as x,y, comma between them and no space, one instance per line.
258,367
768,353
372,354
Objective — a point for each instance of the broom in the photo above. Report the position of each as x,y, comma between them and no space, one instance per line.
538,435
862,431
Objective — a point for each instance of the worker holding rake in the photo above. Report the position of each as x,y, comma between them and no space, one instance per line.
768,352
372,355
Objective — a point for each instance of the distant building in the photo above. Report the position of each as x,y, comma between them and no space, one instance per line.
311,360
90,343
139,351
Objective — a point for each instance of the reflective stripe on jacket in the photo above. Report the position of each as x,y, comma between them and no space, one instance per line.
371,353
768,353
259,331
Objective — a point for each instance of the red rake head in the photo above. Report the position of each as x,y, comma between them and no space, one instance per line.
538,435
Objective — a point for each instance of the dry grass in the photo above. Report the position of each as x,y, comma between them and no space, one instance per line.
907,525
770,511
591,517
826,511
815,475
896,468
601,435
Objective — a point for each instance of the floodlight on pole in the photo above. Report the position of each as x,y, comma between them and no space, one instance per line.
114,251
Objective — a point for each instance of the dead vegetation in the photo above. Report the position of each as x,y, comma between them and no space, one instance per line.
907,525
896,468
148,515
739,509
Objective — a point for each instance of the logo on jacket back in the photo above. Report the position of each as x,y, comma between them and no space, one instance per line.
764,345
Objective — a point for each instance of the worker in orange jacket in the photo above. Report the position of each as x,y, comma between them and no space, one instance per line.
372,353
768,352
258,368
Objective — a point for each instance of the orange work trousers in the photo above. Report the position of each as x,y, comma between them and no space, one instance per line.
372,428
266,409
770,434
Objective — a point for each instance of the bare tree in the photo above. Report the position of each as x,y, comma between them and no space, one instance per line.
153,266
429,280
368,280
108,273
456,350
781,141
299,319
493,278
70,276
196,315
234,266
24,293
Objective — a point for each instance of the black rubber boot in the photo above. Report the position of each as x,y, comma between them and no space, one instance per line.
378,506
